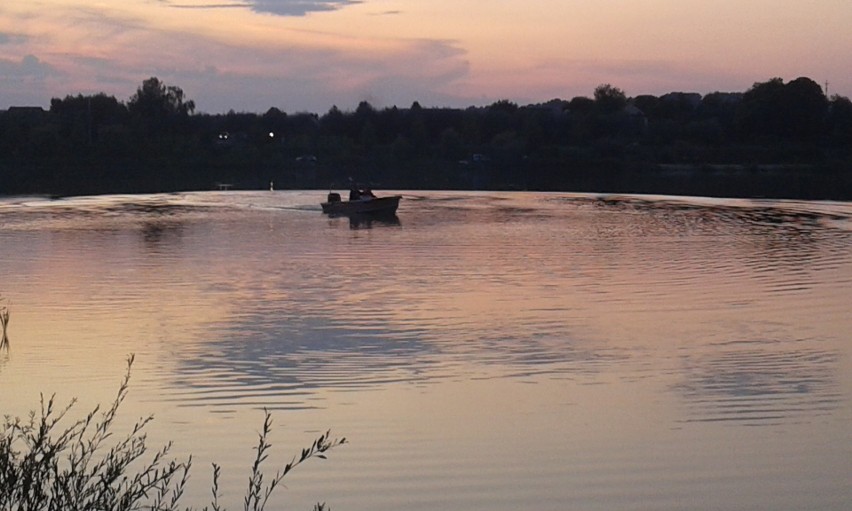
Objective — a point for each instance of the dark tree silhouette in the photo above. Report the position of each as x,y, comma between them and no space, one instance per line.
775,109
839,122
805,107
81,117
155,142
157,105
609,99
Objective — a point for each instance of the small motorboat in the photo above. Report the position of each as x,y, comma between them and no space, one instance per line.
361,203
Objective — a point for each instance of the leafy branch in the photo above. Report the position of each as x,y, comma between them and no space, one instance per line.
44,467
4,323
258,495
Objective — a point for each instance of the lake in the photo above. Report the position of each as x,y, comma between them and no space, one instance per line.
480,351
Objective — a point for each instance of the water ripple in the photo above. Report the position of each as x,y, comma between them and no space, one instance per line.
753,382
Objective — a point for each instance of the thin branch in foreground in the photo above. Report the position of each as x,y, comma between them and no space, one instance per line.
4,324
257,495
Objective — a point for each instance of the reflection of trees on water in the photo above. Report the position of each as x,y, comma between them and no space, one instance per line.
691,218
760,382
766,239
163,222
159,233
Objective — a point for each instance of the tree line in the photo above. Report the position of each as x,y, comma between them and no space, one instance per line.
780,139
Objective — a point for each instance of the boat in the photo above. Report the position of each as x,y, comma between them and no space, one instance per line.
361,203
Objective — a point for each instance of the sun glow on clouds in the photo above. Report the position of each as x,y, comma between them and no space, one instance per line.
224,55
310,54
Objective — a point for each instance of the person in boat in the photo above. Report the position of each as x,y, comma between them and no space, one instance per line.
356,194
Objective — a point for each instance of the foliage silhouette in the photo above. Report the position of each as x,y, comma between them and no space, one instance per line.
155,99
44,466
776,139
4,324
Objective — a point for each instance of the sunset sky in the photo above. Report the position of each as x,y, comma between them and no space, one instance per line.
307,55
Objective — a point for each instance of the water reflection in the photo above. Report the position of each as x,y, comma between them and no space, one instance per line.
280,359
357,221
484,287
686,218
101,212
624,331
161,233
758,382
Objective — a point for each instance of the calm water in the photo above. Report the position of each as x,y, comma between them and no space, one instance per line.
487,351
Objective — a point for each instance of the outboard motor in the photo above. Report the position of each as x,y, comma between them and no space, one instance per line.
333,197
